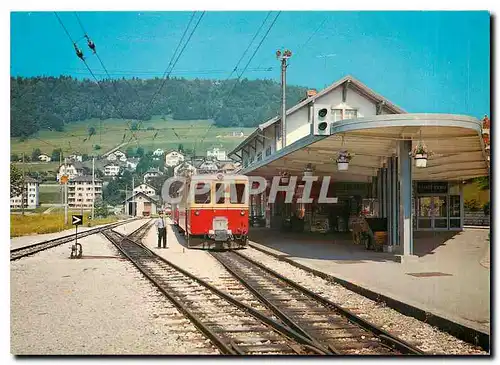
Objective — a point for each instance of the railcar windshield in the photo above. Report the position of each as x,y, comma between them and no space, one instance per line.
202,193
238,193
220,196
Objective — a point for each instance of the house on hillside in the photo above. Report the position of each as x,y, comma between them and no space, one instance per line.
117,156
71,169
217,154
158,152
78,158
173,158
111,169
152,172
44,158
146,189
131,163
206,166
31,195
184,169
227,167
139,204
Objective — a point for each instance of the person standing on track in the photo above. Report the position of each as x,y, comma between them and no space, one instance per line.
162,230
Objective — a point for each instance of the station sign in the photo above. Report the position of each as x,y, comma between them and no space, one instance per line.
76,220
432,187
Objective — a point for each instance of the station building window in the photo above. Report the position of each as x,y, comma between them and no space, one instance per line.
438,206
341,114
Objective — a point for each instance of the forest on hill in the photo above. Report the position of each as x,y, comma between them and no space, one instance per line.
49,103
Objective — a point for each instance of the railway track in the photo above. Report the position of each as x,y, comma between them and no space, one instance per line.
234,327
316,318
140,232
20,252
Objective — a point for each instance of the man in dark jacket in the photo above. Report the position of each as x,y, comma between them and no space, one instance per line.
162,231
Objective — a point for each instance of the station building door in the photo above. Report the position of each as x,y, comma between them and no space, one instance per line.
439,211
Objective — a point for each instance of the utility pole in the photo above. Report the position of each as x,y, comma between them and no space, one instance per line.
133,200
127,206
93,187
60,176
283,56
65,194
22,190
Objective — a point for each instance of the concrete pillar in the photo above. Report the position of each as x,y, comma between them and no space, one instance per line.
394,202
384,191
379,194
389,201
405,183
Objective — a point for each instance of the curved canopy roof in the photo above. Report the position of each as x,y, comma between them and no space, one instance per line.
454,140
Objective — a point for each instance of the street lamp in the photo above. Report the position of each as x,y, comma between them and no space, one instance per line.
283,56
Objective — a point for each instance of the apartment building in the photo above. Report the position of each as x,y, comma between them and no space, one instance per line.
81,192
31,196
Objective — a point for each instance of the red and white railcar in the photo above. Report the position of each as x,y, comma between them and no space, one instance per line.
214,211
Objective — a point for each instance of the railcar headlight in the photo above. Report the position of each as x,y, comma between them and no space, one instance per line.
197,212
242,212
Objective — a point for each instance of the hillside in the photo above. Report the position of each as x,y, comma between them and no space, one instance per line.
155,133
56,104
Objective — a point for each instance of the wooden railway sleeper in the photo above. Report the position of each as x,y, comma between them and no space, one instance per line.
382,334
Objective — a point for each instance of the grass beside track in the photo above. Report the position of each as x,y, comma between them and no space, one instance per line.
47,223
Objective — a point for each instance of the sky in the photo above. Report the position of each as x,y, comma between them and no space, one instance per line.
423,61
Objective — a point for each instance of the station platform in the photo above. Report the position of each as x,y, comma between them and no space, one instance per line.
448,278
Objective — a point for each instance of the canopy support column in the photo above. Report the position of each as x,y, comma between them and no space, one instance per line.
405,184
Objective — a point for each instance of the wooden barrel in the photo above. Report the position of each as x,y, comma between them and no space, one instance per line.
380,238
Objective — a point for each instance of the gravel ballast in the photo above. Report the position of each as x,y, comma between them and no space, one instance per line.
93,306
426,337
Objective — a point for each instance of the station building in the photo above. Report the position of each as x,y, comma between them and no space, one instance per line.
381,179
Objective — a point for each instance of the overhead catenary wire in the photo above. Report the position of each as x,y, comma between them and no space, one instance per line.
167,73
94,50
241,74
94,76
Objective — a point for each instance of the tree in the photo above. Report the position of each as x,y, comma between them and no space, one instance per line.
139,152
16,181
483,182
34,155
85,157
180,148
14,157
100,208
157,183
56,154
112,194
97,147
49,103
129,152
91,131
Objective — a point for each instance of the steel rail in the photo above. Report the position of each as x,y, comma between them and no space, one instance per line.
276,326
140,232
279,313
223,346
20,252
383,335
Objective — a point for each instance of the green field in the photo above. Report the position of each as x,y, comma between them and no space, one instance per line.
38,166
189,133
50,193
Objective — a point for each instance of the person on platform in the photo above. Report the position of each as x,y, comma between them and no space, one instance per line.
162,230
